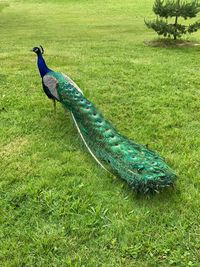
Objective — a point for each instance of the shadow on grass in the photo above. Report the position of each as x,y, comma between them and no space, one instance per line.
165,195
170,43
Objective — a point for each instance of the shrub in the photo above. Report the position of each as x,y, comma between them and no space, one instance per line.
174,9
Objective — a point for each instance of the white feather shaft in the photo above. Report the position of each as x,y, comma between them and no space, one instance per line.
79,131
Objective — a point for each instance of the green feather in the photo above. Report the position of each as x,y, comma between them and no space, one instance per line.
142,168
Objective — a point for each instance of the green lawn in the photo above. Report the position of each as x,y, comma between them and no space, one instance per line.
57,206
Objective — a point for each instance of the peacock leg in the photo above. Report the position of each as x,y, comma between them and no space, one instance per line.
54,105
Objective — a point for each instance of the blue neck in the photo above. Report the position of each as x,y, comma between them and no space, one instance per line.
43,69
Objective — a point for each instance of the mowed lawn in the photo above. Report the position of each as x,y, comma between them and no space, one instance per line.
57,206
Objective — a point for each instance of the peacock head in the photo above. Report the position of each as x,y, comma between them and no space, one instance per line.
38,50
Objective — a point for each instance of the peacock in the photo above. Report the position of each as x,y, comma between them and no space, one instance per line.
143,169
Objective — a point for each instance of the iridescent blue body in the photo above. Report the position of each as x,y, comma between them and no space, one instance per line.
142,168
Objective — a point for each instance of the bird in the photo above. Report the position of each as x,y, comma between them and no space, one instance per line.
142,168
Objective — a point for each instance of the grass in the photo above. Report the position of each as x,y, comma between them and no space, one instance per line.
58,207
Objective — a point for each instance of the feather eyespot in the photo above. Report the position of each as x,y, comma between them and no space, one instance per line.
70,88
